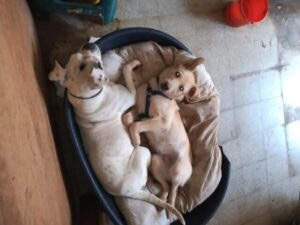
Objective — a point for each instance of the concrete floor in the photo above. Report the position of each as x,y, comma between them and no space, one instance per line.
257,71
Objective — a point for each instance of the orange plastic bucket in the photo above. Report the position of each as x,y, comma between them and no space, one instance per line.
246,11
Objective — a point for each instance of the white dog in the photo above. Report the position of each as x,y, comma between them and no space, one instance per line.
99,105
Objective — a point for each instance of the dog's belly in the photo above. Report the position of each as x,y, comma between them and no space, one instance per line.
165,141
109,149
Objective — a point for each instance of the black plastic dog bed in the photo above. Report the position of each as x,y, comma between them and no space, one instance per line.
202,213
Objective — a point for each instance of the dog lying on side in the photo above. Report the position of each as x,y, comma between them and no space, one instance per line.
159,118
99,105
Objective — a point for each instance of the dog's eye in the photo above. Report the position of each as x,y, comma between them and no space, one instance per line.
181,88
177,74
82,66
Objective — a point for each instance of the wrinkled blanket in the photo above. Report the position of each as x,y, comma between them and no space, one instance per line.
200,118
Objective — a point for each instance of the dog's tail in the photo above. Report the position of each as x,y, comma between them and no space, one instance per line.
150,198
127,72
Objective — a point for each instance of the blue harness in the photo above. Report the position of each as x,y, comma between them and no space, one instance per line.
150,92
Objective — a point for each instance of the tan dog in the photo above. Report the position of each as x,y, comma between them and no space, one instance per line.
99,105
160,120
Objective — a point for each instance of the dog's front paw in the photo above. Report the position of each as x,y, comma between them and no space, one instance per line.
171,216
127,119
135,136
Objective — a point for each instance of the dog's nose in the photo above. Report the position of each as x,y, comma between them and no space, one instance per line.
165,86
90,47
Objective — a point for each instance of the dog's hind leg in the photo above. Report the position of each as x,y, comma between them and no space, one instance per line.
136,180
137,170
156,168
172,196
148,197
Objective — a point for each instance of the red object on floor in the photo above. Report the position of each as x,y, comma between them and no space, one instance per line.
243,12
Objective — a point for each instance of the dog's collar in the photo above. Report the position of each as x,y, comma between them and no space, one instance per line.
151,92
84,98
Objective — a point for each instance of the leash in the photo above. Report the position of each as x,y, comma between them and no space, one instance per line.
150,93
84,98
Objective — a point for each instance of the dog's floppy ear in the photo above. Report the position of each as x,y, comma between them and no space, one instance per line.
58,74
193,63
193,94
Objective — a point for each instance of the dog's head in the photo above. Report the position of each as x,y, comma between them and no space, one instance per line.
178,81
83,72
